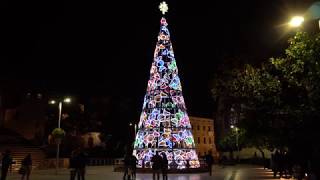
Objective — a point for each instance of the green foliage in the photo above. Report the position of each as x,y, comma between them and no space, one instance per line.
58,133
279,98
229,142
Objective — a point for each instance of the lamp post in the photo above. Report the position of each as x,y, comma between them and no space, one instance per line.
237,139
65,100
135,128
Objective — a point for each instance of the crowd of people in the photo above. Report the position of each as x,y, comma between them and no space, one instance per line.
159,165
281,164
130,162
284,165
6,165
78,162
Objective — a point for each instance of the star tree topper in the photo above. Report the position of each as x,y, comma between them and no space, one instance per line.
163,7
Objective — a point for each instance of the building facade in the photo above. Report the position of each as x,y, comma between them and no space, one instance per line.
203,133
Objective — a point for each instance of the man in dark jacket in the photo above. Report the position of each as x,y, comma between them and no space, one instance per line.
6,163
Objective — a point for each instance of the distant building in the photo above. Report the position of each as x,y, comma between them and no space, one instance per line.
28,118
203,133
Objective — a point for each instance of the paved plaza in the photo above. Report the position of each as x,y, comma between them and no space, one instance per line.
239,172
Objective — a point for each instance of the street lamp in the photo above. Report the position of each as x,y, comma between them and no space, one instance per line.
135,129
296,21
65,100
237,138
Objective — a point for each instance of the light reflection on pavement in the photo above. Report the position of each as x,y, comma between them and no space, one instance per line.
238,172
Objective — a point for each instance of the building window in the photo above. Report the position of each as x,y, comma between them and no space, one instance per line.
39,96
198,127
209,140
209,129
198,140
204,140
28,95
204,128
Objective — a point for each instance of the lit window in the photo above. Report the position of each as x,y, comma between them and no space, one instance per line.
39,96
28,95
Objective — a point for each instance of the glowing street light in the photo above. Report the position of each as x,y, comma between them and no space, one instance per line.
52,102
65,100
237,138
135,128
296,21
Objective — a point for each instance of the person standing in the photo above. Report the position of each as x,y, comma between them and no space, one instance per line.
26,167
164,166
126,163
156,165
81,166
6,164
133,166
276,163
72,164
209,161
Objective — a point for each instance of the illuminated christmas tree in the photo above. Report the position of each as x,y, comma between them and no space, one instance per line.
164,123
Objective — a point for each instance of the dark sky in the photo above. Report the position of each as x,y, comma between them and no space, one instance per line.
106,47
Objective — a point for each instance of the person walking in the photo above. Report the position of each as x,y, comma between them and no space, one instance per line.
6,163
156,165
164,166
209,160
26,167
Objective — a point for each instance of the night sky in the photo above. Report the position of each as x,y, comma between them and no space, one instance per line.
106,47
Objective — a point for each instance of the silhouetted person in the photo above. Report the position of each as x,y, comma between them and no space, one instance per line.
126,163
276,163
164,166
26,165
73,164
81,165
209,161
6,164
156,166
281,163
143,162
223,160
133,166
188,164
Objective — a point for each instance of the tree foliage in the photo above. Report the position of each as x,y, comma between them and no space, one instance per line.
280,98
